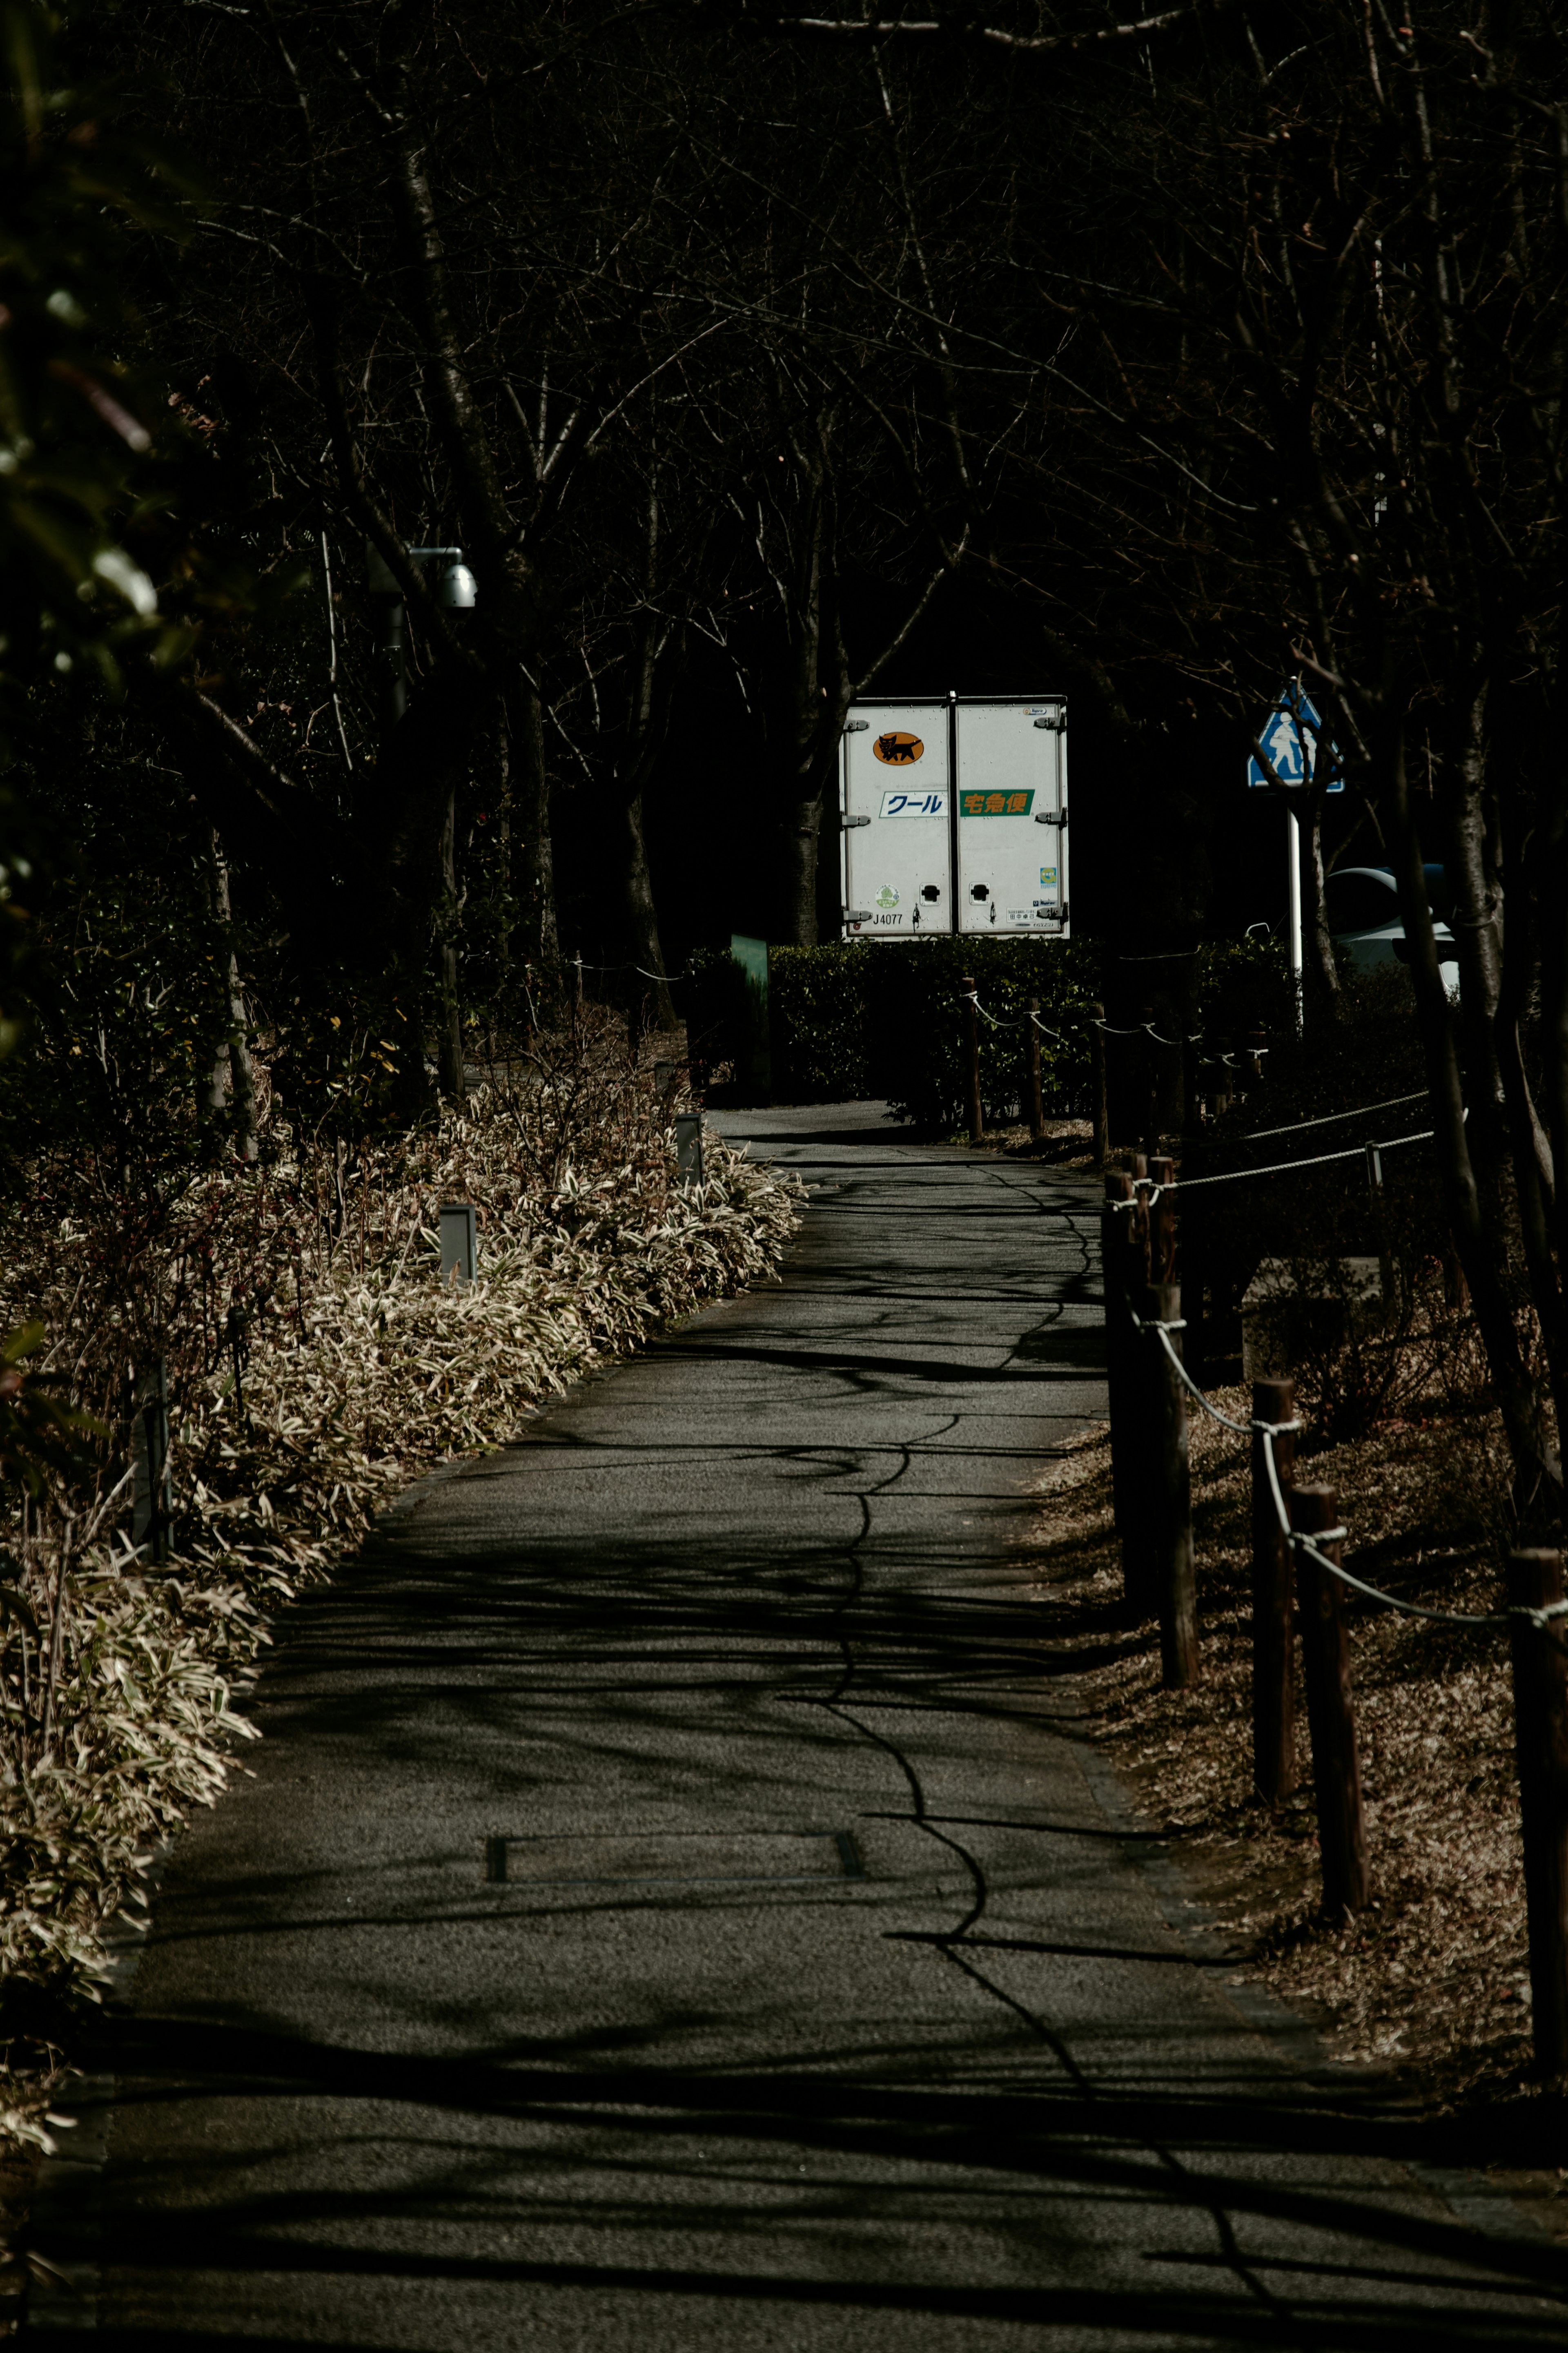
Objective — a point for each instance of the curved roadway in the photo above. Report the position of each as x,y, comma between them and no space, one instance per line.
676,1906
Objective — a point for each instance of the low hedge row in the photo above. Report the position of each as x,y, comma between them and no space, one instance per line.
853,1021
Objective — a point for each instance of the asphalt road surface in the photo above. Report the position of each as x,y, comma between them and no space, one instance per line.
830,1997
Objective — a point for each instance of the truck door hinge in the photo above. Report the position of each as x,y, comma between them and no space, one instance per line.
857,914
856,726
849,823
1051,816
1055,726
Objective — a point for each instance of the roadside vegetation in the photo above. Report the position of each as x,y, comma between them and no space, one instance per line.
315,1364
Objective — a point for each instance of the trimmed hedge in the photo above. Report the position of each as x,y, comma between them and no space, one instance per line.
856,1020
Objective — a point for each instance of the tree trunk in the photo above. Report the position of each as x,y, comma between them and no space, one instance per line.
1322,972
540,942
803,834
1538,1485
232,1073
449,1044
642,918
503,854
1476,926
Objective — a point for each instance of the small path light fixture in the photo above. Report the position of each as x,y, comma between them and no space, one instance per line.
456,590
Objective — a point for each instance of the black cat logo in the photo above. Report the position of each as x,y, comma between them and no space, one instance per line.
898,750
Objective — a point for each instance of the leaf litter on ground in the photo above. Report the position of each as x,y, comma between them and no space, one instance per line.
1431,1985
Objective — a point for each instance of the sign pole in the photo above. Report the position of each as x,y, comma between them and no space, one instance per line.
1293,905
1286,751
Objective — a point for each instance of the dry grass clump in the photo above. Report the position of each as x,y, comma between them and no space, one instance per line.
316,1364
1434,1978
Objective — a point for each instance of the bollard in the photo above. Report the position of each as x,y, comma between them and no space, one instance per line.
1101,1107
1330,1708
972,1059
1036,1108
687,1127
459,1228
1541,1737
1170,1529
1273,1647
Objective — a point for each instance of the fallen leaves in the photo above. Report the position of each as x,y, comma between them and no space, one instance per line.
1434,1978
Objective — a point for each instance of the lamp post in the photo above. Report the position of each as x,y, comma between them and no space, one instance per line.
456,590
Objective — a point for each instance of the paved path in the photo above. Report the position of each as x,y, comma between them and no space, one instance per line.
825,2001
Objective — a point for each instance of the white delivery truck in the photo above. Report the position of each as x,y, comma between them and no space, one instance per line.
954,816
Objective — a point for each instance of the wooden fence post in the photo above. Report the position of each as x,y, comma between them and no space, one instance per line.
1116,1263
1101,1108
1124,1243
1273,1647
1194,1225
150,1459
1169,1495
1330,1708
1540,1734
972,1059
1151,1053
1161,1221
1036,1108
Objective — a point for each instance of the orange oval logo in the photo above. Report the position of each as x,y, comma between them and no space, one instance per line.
898,750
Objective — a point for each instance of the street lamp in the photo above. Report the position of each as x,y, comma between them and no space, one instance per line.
456,588
456,591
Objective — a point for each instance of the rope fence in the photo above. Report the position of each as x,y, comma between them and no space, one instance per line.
1269,1431
1097,1029
1298,1583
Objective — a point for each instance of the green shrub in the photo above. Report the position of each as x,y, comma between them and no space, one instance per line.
915,1026
857,1020
711,999
818,1001
1243,984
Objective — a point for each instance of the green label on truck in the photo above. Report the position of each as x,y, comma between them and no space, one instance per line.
1002,803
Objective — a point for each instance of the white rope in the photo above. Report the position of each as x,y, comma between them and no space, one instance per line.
969,996
1257,1134
1269,1431
1277,1168
1315,1160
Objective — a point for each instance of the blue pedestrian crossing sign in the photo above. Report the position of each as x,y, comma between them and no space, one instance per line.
1291,735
